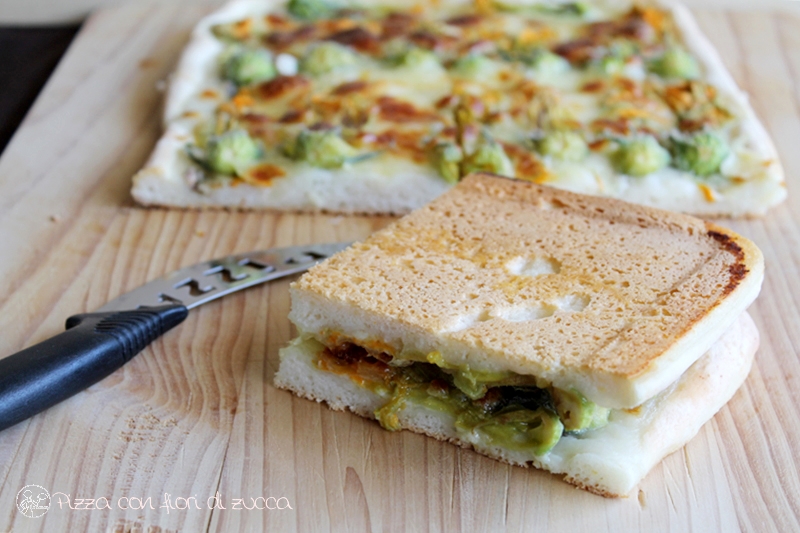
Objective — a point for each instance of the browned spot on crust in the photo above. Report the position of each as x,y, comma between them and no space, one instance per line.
263,174
321,126
577,51
738,270
465,20
276,20
618,125
636,28
395,110
728,244
634,25
349,87
593,86
600,144
355,118
292,117
280,86
358,38
281,40
341,23
689,126
628,85
397,24
446,101
679,97
254,118
430,41
407,144
327,108
598,30
526,164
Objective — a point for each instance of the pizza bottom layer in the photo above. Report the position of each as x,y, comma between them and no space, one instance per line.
609,461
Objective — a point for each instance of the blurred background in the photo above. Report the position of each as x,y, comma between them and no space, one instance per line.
34,34
72,11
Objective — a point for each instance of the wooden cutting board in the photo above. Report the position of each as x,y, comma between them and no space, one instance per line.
196,415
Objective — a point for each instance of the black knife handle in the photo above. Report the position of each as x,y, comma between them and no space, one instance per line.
94,346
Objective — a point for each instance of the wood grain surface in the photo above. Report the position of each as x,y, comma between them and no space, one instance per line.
196,414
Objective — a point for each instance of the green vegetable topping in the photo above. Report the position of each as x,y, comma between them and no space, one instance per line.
473,383
610,65
324,149
474,66
416,57
676,63
575,9
517,429
387,415
623,48
489,408
249,66
542,60
546,62
701,153
641,156
232,152
489,156
326,57
309,9
564,144
238,31
446,158
577,413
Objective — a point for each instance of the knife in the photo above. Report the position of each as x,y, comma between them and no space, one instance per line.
96,344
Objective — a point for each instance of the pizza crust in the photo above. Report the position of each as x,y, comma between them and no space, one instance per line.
398,186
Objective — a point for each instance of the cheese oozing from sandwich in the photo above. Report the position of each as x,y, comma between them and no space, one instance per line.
609,460
520,316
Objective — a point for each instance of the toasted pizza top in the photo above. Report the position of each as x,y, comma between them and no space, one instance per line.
609,298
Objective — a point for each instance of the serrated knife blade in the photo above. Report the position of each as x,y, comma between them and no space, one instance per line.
203,282
96,344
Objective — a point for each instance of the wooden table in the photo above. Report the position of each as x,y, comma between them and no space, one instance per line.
196,415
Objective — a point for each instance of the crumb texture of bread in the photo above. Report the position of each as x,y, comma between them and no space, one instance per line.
613,299
609,461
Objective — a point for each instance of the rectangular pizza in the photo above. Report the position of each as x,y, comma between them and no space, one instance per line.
380,107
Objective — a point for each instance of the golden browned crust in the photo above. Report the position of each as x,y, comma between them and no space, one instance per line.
542,281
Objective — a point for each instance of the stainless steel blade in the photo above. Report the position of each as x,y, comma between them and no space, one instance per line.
201,283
